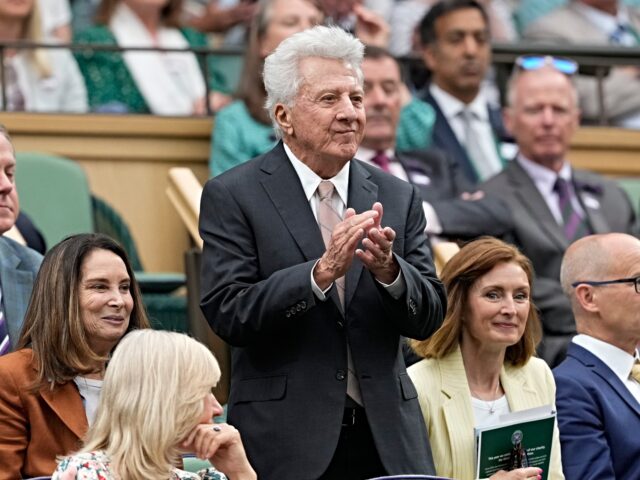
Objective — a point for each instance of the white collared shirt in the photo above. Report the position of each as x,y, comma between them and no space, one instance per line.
544,179
619,361
310,181
434,226
452,107
608,24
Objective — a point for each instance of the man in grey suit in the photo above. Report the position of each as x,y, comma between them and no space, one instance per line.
598,22
302,277
551,202
18,265
454,208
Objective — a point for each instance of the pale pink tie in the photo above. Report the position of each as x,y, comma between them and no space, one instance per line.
328,218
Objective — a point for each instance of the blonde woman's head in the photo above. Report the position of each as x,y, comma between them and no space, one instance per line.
153,395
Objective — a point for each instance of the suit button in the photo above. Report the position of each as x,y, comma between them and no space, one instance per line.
303,304
341,375
340,325
287,314
298,307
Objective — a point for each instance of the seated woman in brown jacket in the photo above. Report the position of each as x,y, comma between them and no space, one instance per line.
84,300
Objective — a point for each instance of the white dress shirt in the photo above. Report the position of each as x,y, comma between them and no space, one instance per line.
619,361
310,181
608,24
544,179
452,109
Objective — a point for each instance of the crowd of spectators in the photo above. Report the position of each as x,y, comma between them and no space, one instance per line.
523,296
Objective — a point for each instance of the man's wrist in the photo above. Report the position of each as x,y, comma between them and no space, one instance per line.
322,276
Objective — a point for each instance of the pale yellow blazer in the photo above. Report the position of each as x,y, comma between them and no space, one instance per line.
445,401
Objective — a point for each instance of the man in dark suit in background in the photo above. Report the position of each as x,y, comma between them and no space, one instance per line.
302,278
457,51
598,389
454,208
18,264
552,203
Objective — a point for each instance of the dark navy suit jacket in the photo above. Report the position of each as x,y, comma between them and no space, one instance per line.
599,420
445,139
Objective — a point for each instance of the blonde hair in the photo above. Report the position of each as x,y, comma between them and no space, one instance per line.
152,397
472,262
32,31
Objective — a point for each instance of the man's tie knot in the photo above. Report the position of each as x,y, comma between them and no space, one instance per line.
381,159
635,371
325,190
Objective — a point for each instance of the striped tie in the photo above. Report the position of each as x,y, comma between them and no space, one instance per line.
328,218
5,342
574,225
635,371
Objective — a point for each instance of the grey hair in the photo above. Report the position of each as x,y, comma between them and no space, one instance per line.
281,73
517,73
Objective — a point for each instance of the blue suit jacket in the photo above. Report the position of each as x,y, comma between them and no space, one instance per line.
18,268
445,139
599,420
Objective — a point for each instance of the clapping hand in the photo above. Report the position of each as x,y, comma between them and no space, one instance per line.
377,255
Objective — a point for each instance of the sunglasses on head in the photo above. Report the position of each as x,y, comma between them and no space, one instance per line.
535,62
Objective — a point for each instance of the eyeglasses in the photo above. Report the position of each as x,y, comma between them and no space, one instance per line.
635,281
535,62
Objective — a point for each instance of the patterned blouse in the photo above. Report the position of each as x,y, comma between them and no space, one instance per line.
97,466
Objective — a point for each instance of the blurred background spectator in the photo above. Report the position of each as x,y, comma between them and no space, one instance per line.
456,49
56,19
243,129
598,22
37,80
406,16
145,82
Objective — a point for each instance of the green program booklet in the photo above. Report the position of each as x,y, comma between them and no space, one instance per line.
519,439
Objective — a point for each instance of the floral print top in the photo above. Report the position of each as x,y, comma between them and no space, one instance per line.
97,466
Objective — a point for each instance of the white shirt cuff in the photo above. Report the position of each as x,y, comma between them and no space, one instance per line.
434,227
397,288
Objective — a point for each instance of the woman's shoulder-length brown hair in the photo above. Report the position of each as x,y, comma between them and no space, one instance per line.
53,326
474,260
170,15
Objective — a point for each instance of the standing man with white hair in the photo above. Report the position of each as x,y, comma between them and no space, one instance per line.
302,277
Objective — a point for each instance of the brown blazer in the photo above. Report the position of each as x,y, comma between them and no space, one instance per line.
35,427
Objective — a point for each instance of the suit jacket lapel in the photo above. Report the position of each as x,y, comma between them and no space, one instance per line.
285,191
363,193
589,198
66,403
600,369
458,412
519,394
14,283
532,200
445,139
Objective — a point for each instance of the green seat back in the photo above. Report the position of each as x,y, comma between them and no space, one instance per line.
632,187
54,191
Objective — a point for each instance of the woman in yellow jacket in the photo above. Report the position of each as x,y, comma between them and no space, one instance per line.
480,364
